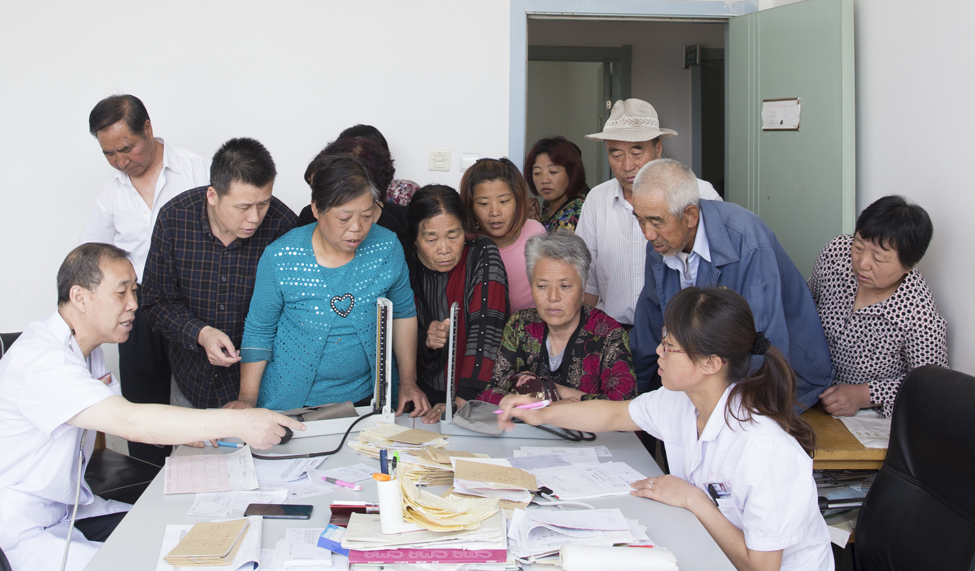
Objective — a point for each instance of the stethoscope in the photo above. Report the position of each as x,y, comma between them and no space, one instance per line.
81,465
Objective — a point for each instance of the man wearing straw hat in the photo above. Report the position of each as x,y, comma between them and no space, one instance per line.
633,138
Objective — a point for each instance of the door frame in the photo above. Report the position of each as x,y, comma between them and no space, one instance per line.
619,84
522,10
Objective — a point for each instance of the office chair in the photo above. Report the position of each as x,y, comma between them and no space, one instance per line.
920,512
6,340
115,476
4,564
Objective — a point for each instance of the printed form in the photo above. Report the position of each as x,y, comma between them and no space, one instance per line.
211,473
589,480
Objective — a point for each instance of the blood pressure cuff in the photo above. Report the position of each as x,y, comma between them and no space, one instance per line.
323,412
478,416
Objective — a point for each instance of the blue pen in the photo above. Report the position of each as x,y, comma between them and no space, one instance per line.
383,466
229,444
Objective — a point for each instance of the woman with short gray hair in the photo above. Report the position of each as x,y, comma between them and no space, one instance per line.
573,351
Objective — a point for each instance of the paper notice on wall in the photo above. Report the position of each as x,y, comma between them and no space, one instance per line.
780,114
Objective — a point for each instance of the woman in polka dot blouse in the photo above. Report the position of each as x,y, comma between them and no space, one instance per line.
878,313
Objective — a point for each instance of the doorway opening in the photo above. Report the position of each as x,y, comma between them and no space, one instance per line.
578,68
570,92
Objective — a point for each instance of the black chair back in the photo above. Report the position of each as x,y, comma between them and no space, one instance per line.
920,512
6,340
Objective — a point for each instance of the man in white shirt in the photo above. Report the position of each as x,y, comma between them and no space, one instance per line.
633,138
55,389
150,173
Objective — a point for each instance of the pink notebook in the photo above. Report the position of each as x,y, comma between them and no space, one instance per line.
429,556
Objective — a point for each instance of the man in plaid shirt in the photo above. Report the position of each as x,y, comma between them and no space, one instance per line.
199,275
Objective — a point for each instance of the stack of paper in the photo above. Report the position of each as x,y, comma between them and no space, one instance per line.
537,533
300,478
432,466
284,470
365,534
579,482
234,543
394,437
569,455
870,428
600,451
437,513
299,550
221,504
212,472
493,481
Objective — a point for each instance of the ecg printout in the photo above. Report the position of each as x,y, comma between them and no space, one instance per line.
211,473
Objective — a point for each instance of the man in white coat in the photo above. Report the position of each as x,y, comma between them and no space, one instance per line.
55,389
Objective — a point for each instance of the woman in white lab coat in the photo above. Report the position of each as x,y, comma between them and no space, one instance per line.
739,454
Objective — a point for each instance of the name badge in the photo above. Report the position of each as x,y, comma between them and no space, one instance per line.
719,493
106,379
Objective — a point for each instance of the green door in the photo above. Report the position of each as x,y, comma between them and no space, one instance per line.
801,183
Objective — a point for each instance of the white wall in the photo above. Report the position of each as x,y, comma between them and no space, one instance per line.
428,74
915,127
657,76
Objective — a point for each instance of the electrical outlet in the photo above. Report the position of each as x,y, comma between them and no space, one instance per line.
467,160
439,160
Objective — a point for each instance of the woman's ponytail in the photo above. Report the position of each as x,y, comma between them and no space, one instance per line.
770,392
719,322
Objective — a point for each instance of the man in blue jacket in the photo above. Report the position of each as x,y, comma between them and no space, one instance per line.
705,243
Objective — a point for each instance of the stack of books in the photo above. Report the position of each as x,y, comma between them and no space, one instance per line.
486,546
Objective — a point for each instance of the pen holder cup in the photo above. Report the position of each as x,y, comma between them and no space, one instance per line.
391,509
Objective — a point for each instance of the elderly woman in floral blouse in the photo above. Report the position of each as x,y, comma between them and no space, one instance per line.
878,313
583,350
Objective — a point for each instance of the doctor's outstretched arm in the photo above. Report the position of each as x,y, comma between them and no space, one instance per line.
164,424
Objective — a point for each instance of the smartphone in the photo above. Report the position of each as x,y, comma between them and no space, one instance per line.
342,514
279,511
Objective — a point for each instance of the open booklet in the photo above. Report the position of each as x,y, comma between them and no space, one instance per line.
248,554
537,533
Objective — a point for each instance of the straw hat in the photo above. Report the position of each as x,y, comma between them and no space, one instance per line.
633,121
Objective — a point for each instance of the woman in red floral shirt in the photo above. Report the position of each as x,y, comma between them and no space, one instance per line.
583,350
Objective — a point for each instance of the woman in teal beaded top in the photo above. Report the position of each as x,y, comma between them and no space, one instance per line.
310,334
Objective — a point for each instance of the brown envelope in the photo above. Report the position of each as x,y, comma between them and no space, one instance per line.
492,474
415,436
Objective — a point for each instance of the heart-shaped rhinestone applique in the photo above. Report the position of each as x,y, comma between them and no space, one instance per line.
341,299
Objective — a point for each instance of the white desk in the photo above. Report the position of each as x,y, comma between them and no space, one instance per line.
136,542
